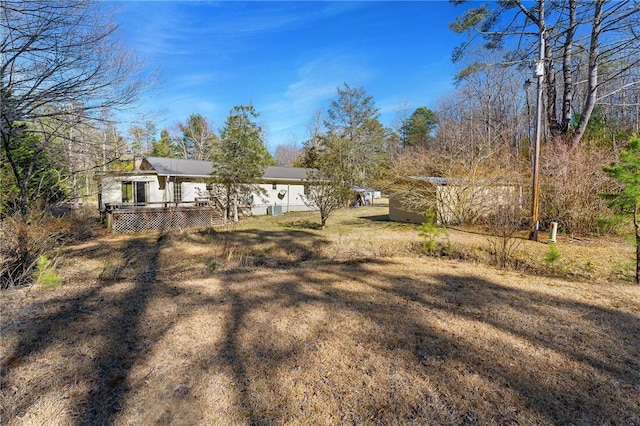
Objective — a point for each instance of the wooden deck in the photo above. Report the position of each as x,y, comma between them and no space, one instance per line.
129,217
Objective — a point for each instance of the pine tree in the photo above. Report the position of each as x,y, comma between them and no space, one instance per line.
627,172
241,158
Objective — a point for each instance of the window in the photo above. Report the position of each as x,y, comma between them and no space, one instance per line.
274,186
134,192
127,192
177,192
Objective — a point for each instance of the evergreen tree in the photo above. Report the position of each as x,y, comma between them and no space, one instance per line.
163,147
240,159
418,128
627,172
42,181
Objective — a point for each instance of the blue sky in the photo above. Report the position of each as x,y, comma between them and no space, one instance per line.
288,58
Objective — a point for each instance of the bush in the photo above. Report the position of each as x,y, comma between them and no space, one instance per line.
552,255
22,242
81,224
44,274
505,224
571,181
429,230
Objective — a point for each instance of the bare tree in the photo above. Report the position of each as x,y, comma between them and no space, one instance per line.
197,140
142,138
61,67
582,42
328,188
287,154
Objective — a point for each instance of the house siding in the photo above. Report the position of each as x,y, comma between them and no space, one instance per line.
162,188
293,199
111,188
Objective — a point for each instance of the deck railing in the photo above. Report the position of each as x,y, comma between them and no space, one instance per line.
135,217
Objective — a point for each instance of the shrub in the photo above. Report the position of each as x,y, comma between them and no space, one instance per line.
22,242
552,255
505,223
44,274
81,224
571,179
429,230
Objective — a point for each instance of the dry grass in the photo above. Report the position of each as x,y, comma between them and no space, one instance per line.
275,322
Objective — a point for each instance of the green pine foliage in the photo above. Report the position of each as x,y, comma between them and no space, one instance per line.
41,180
242,156
417,130
627,173
45,275
163,147
429,230
552,255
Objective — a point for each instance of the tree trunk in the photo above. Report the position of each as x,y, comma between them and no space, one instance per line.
567,53
21,180
235,207
592,81
323,218
227,207
636,224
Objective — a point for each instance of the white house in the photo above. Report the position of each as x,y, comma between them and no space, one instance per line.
163,182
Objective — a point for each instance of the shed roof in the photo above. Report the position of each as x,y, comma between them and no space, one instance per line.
436,180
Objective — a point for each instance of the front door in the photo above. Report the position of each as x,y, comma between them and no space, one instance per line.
141,192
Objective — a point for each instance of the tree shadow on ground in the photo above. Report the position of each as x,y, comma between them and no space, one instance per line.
269,248
368,341
110,311
566,397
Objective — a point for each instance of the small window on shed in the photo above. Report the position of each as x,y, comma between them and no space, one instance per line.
274,186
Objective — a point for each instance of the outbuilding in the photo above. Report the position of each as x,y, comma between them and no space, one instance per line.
454,201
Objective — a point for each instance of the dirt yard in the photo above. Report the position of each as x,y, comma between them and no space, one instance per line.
274,322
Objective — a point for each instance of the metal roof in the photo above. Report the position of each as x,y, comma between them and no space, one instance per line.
178,167
196,168
436,180
285,173
431,179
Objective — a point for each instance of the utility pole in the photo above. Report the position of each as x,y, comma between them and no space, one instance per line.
538,73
